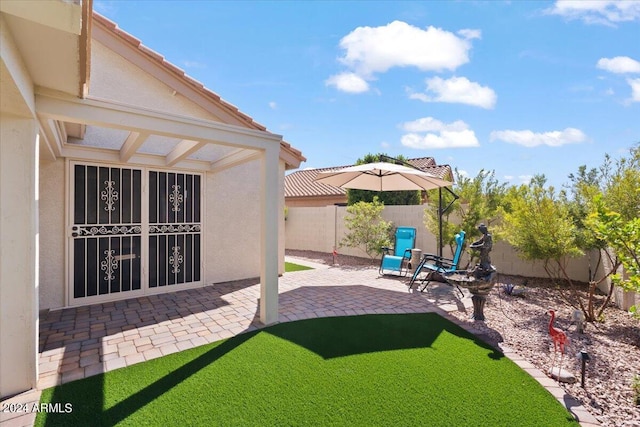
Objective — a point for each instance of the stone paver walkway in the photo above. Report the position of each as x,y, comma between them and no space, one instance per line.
79,342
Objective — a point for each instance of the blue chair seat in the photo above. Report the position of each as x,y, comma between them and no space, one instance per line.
397,260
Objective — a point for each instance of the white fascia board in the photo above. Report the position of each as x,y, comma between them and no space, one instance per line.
111,114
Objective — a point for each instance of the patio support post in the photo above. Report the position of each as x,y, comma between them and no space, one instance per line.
269,234
18,255
19,169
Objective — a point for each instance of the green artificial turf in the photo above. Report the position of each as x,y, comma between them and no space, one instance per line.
290,267
386,370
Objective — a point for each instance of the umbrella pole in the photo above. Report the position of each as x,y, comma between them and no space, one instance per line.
440,213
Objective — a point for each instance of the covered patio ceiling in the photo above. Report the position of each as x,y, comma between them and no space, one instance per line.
104,130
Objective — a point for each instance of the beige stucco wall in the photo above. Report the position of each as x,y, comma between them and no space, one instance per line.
232,226
18,254
319,229
52,234
113,77
233,223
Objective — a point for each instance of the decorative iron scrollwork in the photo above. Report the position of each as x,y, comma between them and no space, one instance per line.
109,195
176,259
176,198
109,264
105,230
174,228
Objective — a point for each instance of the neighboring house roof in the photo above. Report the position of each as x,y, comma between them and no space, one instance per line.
302,183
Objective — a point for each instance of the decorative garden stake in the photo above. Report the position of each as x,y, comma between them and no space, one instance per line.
584,357
560,339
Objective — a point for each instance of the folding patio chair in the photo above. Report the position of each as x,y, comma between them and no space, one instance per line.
432,266
398,259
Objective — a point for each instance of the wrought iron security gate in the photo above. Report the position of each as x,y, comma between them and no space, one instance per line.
107,230
174,228
123,242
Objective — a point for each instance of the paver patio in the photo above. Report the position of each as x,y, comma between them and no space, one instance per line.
79,342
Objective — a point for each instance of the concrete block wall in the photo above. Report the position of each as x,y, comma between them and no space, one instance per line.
319,229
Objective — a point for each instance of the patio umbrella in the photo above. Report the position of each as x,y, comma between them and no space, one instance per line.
381,176
384,176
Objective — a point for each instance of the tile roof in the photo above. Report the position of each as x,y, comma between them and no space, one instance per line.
301,183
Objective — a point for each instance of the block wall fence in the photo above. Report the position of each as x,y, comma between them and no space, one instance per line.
323,228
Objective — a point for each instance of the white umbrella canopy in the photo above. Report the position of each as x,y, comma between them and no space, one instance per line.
382,176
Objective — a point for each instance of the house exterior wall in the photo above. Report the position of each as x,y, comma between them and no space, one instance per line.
113,77
231,197
232,224
18,222
231,243
320,229
52,234
18,254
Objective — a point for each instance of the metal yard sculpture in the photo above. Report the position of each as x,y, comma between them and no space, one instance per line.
560,340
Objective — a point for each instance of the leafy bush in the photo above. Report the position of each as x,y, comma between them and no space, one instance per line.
367,230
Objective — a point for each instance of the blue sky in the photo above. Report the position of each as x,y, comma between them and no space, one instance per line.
518,87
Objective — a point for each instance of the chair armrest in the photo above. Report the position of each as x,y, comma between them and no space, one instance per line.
437,260
385,250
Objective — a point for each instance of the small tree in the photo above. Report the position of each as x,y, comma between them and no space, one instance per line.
387,197
367,230
604,204
624,238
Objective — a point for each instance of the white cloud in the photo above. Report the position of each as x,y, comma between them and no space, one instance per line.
385,144
528,138
635,89
458,90
372,50
470,34
463,172
348,82
273,105
619,65
445,139
429,124
605,12
508,177
439,134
